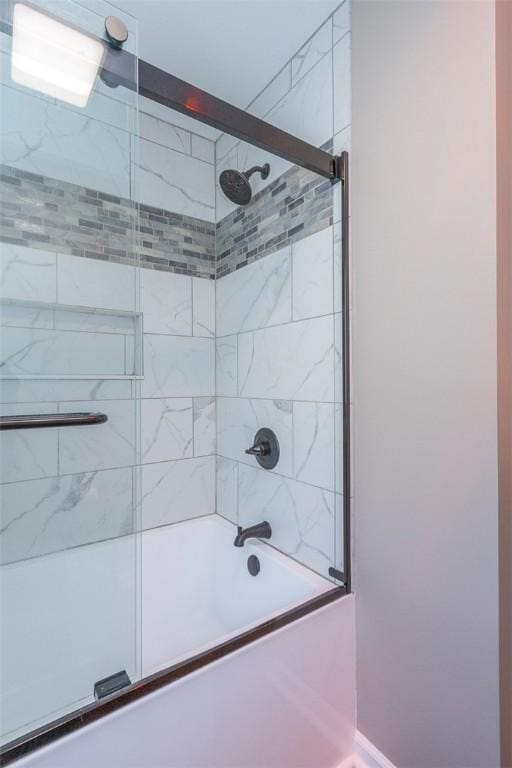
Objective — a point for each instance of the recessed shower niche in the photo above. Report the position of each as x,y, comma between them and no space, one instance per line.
41,340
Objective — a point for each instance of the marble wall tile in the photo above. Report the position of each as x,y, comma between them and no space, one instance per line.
28,454
95,321
292,361
55,390
166,302
177,490
341,21
307,110
256,296
166,429
203,292
93,283
338,447
337,304
33,351
25,316
177,366
301,516
176,182
313,443
338,359
42,516
311,53
204,426
238,420
203,149
313,275
27,274
271,94
102,446
227,489
46,138
226,366
162,132
342,83
178,119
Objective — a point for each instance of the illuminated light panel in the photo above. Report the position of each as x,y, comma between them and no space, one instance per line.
53,58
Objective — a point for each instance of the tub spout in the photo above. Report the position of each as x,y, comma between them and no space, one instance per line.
258,531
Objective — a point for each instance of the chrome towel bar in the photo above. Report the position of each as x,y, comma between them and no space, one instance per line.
41,420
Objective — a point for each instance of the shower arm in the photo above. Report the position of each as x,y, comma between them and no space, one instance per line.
263,169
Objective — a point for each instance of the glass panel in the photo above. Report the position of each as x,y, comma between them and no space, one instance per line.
117,540
70,341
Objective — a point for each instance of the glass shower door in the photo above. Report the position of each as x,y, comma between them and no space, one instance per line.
69,344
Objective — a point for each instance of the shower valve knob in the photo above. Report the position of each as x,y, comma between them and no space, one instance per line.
265,448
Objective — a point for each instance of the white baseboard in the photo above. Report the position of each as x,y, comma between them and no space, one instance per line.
368,754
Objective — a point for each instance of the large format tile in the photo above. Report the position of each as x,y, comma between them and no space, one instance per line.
25,316
227,489
164,133
341,21
238,420
311,53
226,366
177,490
293,361
270,95
203,293
307,110
204,426
177,366
166,302
342,83
41,516
301,516
48,139
313,275
166,429
176,182
99,446
27,274
313,443
55,390
32,351
26,454
256,296
93,283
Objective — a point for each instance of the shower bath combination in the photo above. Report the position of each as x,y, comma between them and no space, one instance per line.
145,580
236,185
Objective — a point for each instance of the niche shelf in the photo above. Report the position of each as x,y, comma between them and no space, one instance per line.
40,340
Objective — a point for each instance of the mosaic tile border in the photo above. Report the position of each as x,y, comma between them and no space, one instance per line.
41,212
296,204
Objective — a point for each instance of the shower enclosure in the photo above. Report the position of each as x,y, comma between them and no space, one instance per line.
151,327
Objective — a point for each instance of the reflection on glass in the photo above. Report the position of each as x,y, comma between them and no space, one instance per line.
52,57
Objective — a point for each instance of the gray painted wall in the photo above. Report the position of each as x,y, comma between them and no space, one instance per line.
424,237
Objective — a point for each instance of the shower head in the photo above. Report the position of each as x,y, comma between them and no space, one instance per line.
236,185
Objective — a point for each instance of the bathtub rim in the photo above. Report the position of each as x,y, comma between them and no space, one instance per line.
79,718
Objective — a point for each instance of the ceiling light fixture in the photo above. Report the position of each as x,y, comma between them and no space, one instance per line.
52,57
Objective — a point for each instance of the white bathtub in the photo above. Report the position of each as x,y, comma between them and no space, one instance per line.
192,589
197,590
